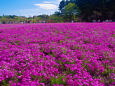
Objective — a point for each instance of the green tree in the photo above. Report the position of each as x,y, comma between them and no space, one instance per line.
56,18
92,9
71,11
62,4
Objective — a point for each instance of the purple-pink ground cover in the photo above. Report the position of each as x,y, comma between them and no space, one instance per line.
63,54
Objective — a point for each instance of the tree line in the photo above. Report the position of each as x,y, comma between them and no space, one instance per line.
13,19
70,11
87,10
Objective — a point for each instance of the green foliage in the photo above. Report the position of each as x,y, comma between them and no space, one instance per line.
90,9
107,71
60,41
58,80
42,80
70,12
5,83
17,42
70,9
113,35
56,18
19,74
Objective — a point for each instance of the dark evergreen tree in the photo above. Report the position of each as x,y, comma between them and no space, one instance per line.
92,9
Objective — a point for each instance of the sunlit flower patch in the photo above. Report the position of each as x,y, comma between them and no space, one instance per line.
63,54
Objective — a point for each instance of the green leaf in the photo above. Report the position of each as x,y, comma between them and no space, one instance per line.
58,80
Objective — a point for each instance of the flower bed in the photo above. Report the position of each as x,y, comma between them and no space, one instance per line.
63,54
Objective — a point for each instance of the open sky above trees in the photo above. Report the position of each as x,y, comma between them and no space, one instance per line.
28,7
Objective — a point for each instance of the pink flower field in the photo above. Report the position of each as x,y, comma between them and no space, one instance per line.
57,54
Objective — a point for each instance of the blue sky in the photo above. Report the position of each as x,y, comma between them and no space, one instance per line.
28,7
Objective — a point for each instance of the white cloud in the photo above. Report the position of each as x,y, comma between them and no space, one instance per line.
47,6
59,0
